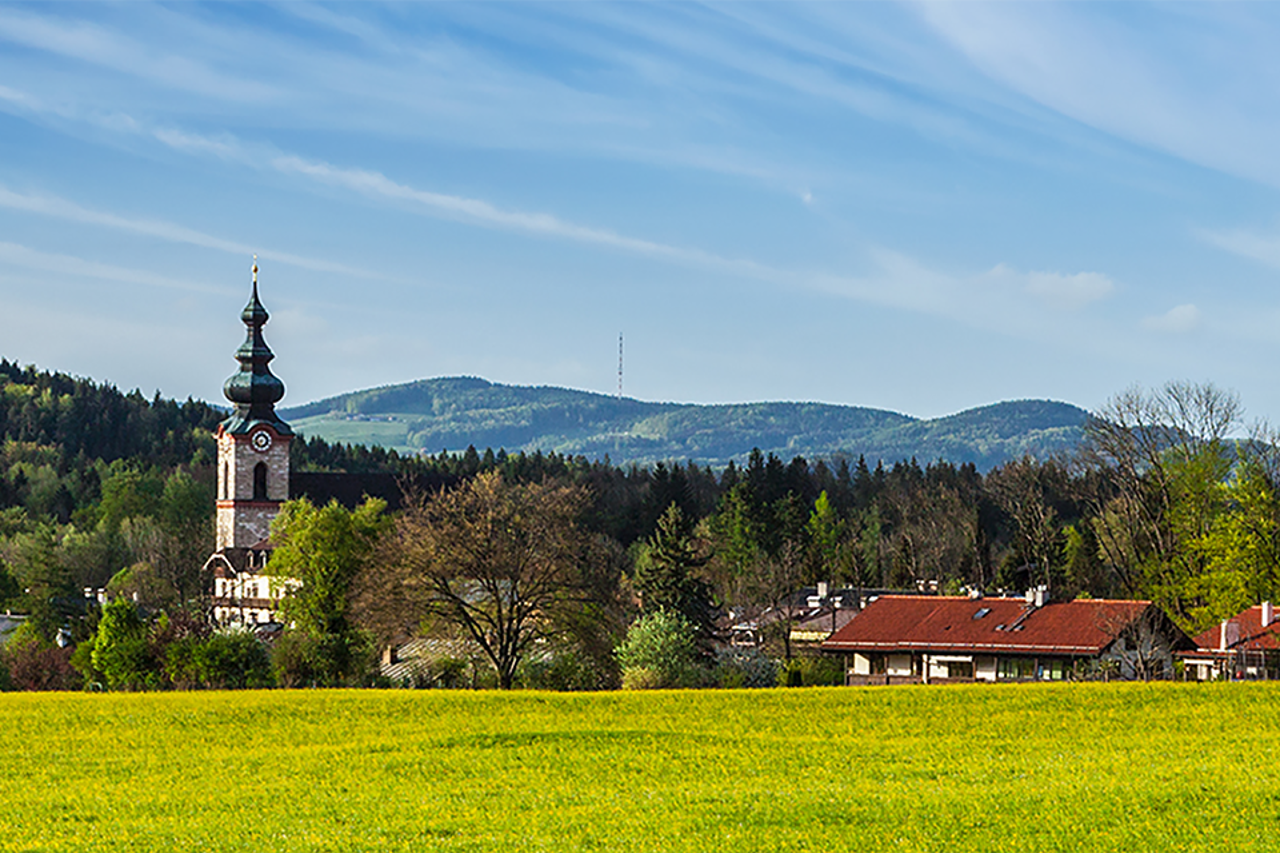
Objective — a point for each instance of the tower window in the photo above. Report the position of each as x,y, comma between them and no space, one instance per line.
226,480
260,481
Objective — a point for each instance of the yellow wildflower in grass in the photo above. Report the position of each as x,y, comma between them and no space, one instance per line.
1032,767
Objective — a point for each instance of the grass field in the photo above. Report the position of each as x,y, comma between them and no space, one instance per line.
1038,767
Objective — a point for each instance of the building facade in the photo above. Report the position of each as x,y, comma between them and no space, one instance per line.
1245,647
937,639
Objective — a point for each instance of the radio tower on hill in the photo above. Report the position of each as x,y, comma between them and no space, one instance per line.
619,365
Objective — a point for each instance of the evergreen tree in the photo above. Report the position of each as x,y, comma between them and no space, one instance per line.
666,577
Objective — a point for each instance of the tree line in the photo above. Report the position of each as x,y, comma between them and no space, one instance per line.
1164,500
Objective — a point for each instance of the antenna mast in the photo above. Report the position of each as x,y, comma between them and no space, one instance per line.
619,365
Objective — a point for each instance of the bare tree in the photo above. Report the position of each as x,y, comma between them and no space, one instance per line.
507,564
1134,450
1024,489
933,533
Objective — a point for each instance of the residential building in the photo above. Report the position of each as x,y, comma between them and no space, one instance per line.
1244,647
904,639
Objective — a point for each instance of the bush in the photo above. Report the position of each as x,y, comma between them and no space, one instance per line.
665,646
811,672
29,663
744,667
291,660
448,673
232,660
641,678
175,639
566,669
180,668
121,648
301,659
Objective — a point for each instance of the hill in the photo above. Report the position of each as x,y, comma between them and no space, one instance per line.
453,412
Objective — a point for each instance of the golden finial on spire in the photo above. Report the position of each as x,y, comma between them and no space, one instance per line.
255,270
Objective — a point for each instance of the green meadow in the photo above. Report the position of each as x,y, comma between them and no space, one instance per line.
1022,767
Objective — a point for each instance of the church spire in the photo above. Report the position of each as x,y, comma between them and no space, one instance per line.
254,389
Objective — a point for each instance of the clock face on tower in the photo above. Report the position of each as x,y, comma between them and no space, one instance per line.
261,441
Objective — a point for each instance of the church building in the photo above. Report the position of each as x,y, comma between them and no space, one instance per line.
253,481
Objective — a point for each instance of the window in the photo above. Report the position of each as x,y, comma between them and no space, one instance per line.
1053,670
960,669
260,481
1016,668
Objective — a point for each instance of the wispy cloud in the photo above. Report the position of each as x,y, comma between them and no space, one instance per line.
63,209
1157,80
377,185
985,300
15,254
1256,246
97,45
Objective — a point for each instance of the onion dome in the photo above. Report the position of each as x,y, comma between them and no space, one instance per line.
254,389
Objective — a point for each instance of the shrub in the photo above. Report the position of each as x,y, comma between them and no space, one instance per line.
447,672
302,659
744,667
811,672
566,669
665,645
180,662
27,662
121,650
232,660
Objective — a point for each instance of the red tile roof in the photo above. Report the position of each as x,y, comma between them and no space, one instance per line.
943,623
1248,633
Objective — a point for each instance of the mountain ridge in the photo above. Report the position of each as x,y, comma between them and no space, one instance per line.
450,413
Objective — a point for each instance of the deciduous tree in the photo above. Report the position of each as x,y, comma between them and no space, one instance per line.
507,564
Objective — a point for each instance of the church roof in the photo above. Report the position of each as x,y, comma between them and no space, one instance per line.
254,389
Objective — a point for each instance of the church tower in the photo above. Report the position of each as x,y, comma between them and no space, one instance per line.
253,444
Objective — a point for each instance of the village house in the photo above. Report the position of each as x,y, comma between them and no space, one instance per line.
932,639
1244,647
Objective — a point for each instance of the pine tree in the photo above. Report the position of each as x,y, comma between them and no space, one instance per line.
666,580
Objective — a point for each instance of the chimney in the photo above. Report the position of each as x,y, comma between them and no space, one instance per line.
1222,636
1042,596
822,589
1268,614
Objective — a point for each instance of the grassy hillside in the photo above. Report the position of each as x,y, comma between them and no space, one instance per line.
1098,767
451,413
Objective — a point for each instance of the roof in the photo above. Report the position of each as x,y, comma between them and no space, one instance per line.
816,623
946,623
1244,631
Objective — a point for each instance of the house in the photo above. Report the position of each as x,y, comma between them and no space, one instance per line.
812,613
909,639
1244,647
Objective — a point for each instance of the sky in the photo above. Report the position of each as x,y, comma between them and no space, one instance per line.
922,208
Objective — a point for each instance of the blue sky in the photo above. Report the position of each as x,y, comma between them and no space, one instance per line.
915,207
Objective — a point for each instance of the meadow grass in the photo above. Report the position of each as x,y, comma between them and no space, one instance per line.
1020,767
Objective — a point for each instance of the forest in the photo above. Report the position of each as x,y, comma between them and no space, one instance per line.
1162,500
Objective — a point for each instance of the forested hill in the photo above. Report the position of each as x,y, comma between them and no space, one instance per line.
452,413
